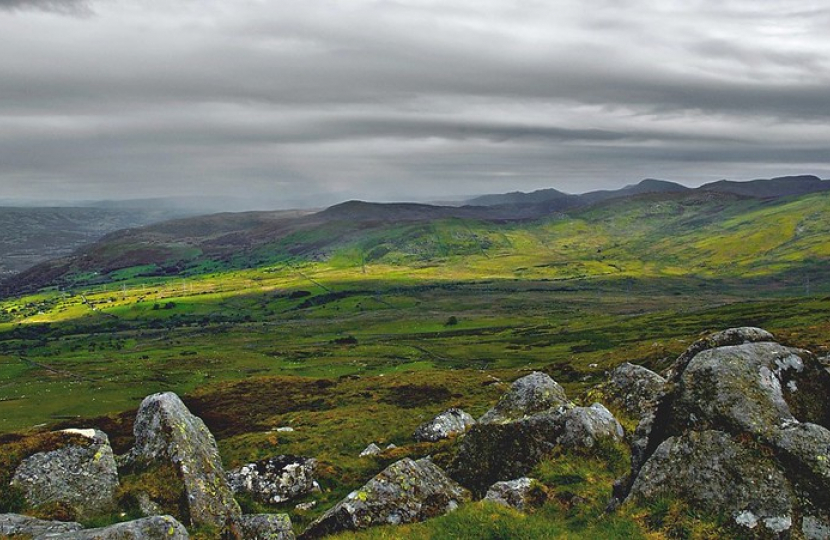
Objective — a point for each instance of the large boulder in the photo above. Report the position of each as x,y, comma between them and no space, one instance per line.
265,527
405,492
529,395
150,528
634,389
448,424
275,480
493,452
742,430
522,494
585,427
715,473
166,432
15,525
83,476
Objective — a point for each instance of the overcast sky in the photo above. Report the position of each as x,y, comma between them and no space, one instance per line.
285,100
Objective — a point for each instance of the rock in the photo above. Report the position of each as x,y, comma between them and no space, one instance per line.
521,494
17,525
529,395
371,450
147,506
739,388
583,427
741,430
391,446
82,476
305,507
730,336
448,424
150,528
405,492
166,431
634,389
265,527
493,452
716,474
275,480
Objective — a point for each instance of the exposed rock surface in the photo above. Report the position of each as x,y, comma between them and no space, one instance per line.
448,424
405,492
17,525
522,494
150,528
371,450
634,389
529,395
83,477
742,431
265,527
166,431
584,427
275,480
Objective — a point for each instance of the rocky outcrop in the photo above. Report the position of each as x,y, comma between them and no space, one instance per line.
275,480
405,492
521,494
150,528
265,527
82,477
449,423
529,395
24,526
742,431
166,432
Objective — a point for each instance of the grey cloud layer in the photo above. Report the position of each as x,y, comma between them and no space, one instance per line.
407,99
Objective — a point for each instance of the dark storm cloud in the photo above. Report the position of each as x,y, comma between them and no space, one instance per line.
407,99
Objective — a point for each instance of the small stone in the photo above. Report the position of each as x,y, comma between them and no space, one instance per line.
529,395
371,450
275,480
448,424
305,507
521,494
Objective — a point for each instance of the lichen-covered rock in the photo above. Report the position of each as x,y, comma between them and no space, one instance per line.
716,474
529,395
742,429
730,336
166,431
265,527
584,427
448,424
150,528
493,452
82,476
371,450
24,526
739,388
405,492
521,494
275,480
634,389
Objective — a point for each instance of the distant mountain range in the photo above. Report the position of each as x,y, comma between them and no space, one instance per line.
171,246
783,186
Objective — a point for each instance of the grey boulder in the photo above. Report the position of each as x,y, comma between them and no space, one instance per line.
448,424
17,525
81,476
167,432
527,396
522,494
265,527
585,427
634,389
405,492
150,528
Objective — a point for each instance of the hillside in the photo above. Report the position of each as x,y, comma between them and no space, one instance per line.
32,234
